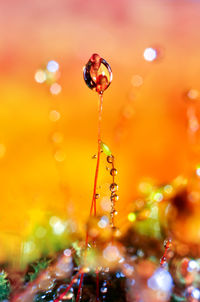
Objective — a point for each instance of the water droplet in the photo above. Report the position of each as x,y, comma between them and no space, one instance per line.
110,159
113,187
104,290
114,198
86,269
114,212
167,243
97,196
62,288
97,74
113,172
68,296
163,260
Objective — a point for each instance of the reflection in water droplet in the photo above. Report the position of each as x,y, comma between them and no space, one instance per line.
68,296
113,172
163,260
113,187
114,197
97,74
167,243
104,290
110,159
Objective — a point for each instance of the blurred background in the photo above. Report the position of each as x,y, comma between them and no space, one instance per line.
48,133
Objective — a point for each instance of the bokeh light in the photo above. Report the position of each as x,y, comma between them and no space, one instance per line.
150,54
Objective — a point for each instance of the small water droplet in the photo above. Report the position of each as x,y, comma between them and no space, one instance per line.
113,187
68,296
163,260
114,198
113,172
167,243
110,159
104,290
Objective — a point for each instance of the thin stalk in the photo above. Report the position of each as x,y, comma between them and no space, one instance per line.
93,205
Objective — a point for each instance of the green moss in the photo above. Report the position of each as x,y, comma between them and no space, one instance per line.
4,286
37,267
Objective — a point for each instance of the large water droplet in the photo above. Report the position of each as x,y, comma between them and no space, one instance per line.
97,74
